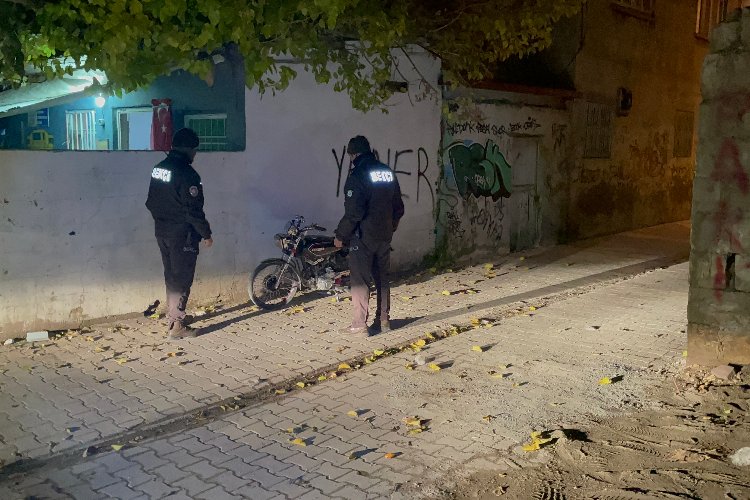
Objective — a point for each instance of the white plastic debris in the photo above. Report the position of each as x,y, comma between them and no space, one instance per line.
8,342
741,457
37,336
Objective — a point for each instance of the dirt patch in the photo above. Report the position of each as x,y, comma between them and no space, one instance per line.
680,451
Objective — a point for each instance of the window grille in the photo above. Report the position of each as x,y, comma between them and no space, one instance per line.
683,134
211,130
598,131
642,6
80,129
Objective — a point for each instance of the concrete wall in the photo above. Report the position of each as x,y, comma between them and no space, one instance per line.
77,241
642,183
494,143
719,304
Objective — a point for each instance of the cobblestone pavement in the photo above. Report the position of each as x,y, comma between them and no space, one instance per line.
221,415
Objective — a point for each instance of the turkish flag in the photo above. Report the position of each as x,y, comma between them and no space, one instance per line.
161,125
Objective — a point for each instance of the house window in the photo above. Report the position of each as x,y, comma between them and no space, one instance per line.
80,130
598,131
683,134
211,130
638,8
712,12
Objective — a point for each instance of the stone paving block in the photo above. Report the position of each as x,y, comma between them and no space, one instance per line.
231,482
349,492
121,491
193,485
82,491
169,473
289,489
156,488
204,469
239,468
217,493
265,478
98,478
134,475
181,458
256,492
149,460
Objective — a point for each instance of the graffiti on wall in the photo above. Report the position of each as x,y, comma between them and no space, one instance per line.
729,171
480,170
413,164
488,219
480,127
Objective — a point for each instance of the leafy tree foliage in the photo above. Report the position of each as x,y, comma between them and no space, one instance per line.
351,43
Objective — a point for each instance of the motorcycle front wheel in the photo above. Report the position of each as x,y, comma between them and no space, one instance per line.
270,289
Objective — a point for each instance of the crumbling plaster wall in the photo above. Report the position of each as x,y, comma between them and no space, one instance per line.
642,182
492,141
719,303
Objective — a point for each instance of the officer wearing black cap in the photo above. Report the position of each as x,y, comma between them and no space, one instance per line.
372,210
175,200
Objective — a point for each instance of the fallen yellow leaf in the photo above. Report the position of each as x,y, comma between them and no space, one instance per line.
684,354
344,366
406,297
117,447
280,391
488,418
390,455
415,431
489,266
532,308
322,378
420,343
171,354
89,339
475,321
121,361
477,348
605,381
378,352
299,442
352,413
434,367
445,292
301,385
409,366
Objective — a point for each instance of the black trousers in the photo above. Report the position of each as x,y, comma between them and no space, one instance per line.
179,256
369,263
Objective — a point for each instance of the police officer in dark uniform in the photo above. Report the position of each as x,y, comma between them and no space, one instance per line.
372,210
175,200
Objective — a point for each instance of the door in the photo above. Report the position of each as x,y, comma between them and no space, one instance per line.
524,199
134,128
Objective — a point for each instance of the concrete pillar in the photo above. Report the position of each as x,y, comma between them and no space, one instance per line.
719,302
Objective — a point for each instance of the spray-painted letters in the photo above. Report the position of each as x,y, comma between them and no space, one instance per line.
480,170
417,165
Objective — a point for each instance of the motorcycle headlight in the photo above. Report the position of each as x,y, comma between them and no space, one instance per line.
279,240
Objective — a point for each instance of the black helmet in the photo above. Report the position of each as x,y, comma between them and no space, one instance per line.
185,138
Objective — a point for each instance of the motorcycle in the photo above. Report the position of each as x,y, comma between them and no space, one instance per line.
308,263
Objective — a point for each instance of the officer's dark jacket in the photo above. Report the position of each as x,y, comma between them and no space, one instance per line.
372,203
175,198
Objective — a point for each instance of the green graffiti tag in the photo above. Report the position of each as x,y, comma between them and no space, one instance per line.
480,170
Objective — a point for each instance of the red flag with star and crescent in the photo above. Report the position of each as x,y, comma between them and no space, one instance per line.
161,125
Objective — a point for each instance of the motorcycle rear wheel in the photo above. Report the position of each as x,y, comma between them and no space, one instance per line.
269,289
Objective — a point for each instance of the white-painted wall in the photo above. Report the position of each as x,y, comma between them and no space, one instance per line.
50,278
